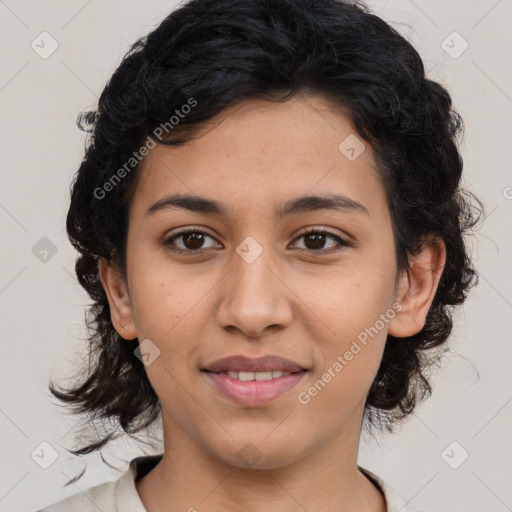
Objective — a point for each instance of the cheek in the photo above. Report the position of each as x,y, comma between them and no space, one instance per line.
355,311
348,299
162,296
340,384
170,308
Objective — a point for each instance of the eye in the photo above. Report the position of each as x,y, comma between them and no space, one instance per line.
314,240
192,240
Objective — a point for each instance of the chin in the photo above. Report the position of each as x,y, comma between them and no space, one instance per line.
261,454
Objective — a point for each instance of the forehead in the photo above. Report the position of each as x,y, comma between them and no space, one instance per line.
258,153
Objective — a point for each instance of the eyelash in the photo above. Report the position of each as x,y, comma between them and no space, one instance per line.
341,243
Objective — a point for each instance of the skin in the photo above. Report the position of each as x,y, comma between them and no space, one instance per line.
290,302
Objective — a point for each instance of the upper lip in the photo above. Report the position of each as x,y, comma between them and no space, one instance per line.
241,363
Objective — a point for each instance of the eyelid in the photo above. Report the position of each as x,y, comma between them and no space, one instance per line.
315,229
187,229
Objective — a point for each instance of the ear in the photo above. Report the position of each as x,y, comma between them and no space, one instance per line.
417,287
118,298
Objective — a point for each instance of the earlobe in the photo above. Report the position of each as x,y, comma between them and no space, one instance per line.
118,298
417,287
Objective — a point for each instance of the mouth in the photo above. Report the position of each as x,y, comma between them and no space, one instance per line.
254,382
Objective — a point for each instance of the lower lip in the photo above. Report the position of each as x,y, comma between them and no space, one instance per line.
254,392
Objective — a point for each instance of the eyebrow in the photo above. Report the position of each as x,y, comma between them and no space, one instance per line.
294,206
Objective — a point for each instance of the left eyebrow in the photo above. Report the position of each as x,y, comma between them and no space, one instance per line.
292,207
324,202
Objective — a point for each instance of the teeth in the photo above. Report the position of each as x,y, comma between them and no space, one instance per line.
246,376
263,375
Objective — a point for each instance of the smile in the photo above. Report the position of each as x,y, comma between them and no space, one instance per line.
252,389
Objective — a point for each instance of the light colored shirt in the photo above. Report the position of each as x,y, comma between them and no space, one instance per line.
121,495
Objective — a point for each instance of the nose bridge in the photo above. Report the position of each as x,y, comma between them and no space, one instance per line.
252,296
251,275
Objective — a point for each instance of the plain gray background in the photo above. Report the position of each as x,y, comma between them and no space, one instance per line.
42,305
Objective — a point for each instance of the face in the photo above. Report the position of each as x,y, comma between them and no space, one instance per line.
260,278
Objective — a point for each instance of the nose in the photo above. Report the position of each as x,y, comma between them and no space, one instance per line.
254,297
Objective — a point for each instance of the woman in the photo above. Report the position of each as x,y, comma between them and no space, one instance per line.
271,226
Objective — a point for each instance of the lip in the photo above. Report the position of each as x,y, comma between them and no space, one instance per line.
253,393
240,363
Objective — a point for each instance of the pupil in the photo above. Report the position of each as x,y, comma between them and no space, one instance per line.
197,238
319,238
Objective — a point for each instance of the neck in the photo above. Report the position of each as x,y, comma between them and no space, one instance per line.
326,479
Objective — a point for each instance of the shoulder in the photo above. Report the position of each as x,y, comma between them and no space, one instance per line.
395,503
120,495
102,497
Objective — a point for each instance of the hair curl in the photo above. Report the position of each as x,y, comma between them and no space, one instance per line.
221,52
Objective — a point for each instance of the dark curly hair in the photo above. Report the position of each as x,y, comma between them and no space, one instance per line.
214,54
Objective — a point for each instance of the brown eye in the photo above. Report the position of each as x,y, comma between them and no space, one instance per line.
191,241
314,241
